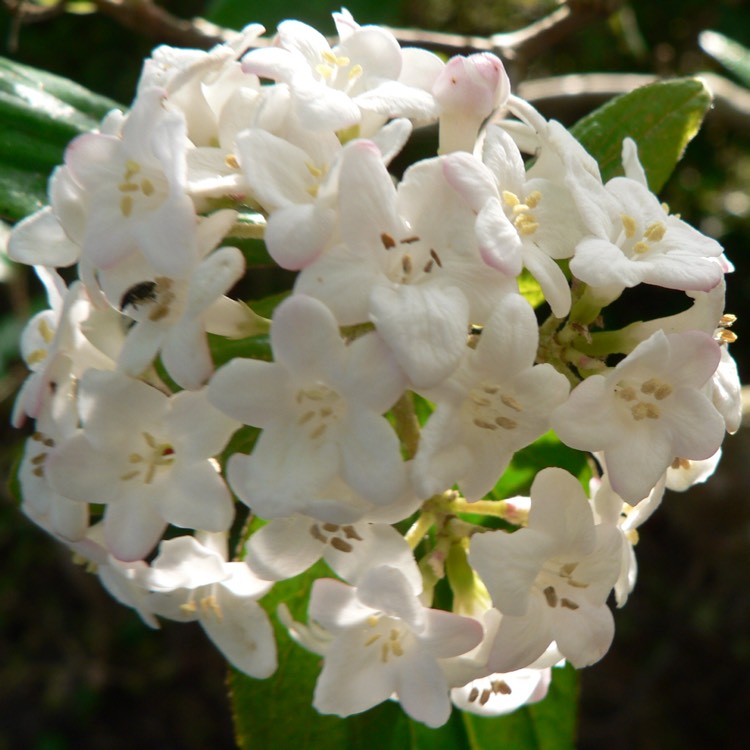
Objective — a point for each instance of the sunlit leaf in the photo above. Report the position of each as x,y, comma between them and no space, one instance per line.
661,117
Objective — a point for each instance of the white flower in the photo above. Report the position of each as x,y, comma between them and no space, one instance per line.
610,508
646,412
386,643
494,404
191,580
524,219
551,579
173,314
147,457
67,520
407,262
319,405
356,82
55,348
482,692
634,239
132,189
499,694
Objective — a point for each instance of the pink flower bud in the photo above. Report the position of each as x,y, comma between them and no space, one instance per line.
477,83
468,90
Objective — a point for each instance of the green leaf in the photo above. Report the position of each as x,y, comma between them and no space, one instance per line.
239,13
661,117
528,462
732,55
39,114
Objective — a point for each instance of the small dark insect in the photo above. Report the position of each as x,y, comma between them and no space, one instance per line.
143,291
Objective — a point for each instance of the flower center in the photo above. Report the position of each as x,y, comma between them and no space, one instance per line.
494,687
320,407
47,334
203,605
522,211
653,234
491,409
557,583
40,458
341,538
643,401
145,465
409,259
139,192
387,634
337,70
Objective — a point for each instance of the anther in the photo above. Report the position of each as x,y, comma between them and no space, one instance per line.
551,596
126,205
655,232
316,533
510,199
501,686
533,198
147,187
387,240
662,391
649,386
511,403
318,431
629,225
340,545
484,425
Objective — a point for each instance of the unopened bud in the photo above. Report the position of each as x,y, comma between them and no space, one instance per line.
469,90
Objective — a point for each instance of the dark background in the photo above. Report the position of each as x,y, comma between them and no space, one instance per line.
80,672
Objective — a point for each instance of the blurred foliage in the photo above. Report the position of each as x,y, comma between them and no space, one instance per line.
79,672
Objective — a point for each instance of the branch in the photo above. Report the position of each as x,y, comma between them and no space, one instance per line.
144,17
153,21
527,42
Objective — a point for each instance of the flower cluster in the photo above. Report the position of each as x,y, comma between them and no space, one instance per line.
399,378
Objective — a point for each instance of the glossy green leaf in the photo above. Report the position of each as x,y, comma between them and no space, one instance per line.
39,114
661,117
732,55
238,13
